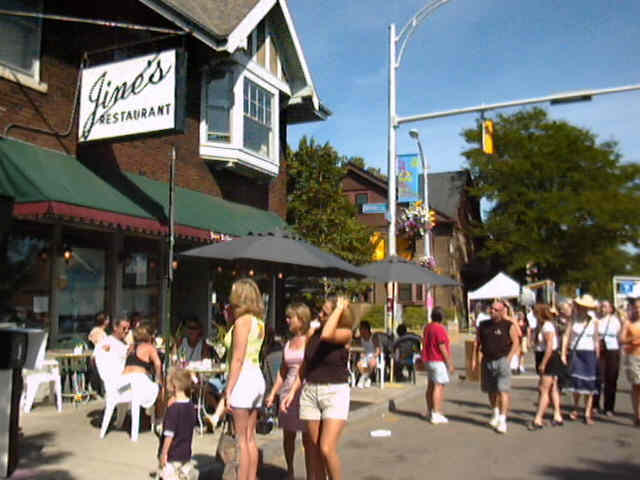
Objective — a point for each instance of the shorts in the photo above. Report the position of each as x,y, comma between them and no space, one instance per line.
325,400
496,376
632,369
143,389
249,389
555,367
437,372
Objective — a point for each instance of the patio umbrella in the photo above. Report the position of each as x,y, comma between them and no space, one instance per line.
279,250
397,269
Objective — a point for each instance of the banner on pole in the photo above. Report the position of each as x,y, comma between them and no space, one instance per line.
409,170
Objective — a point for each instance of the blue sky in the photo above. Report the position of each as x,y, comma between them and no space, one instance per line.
467,53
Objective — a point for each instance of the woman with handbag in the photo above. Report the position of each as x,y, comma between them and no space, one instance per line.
245,385
609,328
324,401
298,318
549,366
581,349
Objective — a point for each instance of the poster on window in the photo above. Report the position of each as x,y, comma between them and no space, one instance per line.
135,96
409,169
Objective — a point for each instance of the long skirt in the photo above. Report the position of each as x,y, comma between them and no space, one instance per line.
583,372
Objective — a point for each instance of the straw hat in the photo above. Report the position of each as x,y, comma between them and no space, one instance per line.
586,301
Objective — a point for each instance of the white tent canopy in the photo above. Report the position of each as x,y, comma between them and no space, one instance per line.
500,286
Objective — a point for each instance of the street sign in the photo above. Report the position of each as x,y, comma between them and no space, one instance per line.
374,208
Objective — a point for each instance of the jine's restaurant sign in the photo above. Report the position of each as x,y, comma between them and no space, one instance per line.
141,95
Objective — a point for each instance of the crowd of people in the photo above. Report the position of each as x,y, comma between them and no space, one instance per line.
577,350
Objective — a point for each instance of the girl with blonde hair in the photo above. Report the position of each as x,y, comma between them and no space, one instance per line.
245,387
324,401
298,318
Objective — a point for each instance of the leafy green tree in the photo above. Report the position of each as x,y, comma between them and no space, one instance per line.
317,207
557,198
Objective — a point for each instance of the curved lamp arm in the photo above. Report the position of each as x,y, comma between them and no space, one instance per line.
414,22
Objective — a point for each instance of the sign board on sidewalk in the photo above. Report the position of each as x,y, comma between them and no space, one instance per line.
134,96
374,207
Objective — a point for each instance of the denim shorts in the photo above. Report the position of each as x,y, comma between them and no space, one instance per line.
325,400
437,372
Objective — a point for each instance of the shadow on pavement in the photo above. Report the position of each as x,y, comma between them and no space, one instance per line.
593,470
485,407
355,405
33,461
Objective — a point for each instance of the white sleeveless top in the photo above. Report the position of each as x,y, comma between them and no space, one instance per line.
585,341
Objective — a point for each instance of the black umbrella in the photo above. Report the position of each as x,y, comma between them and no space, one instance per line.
278,249
397,269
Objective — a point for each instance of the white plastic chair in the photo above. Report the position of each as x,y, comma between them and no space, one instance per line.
118,392
45,371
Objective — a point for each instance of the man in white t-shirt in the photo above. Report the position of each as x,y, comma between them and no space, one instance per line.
115,348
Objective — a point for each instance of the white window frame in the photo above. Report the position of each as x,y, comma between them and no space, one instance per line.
234,151
18,75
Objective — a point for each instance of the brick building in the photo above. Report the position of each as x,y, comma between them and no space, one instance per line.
452,244
82,176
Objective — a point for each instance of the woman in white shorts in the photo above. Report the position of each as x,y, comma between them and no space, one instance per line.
324,402
245,387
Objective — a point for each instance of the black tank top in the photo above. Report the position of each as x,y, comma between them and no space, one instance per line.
134,360
495,339
325,362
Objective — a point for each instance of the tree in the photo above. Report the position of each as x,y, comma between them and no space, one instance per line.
317,207
557,198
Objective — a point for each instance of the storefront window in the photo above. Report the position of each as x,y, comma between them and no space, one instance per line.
24,287
81,287
141,286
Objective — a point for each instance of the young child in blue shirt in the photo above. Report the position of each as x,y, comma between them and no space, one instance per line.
179,422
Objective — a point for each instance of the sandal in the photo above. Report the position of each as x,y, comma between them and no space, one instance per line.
532,426
573,415
557,423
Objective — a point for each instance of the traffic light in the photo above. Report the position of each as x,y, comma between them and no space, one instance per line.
432,218
488,146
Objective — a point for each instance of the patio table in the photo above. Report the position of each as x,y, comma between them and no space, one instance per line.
203,374
73,372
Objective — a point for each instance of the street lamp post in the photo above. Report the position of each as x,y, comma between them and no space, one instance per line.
395,57
425,189
413,133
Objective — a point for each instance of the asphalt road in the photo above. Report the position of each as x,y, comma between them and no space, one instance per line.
467,448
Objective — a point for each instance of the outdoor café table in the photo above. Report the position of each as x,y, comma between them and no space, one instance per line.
203,374
73,372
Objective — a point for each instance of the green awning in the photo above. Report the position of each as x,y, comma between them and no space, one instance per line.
48,183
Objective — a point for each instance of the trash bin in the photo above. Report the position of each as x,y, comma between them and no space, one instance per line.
468,352
18,349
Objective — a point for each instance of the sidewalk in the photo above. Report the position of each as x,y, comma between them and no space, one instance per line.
66,445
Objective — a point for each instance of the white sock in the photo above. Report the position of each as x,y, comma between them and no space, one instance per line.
496,412
502,418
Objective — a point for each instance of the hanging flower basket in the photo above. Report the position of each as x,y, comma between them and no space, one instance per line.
414,222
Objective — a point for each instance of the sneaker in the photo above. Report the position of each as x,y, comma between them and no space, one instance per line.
522,369
502,426
367,382
495,420
437,418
